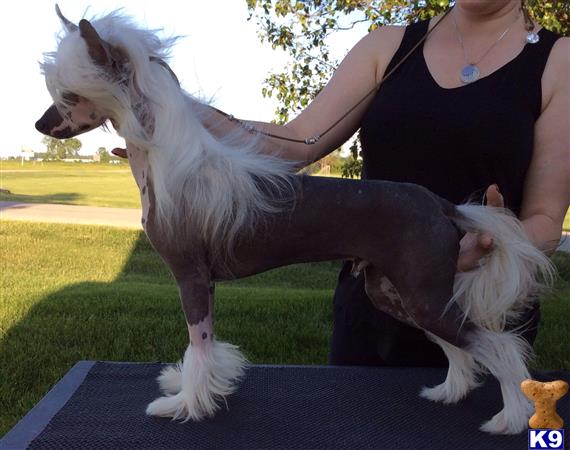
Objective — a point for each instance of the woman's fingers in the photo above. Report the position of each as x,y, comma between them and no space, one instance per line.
475,246
494,197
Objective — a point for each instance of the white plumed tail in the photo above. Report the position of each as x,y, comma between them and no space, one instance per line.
503,286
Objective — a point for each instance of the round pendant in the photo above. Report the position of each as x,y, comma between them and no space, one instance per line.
469,74
532,38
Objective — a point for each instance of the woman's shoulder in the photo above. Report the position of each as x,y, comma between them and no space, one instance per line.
560,56
561,50
556,75
559,60
395,33
387,35
383,42
557,45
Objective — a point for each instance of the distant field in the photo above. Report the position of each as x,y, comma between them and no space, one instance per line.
78,184
69,183
51,165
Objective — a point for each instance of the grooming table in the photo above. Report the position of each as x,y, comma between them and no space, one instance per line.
101,405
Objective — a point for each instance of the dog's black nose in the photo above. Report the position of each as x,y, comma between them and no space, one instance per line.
50,120
41,126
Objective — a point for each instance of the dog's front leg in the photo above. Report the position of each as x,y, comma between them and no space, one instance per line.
210,369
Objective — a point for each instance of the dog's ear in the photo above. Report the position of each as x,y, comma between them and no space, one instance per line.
101,52
98,49
70,26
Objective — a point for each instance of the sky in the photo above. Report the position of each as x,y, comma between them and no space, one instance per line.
220,57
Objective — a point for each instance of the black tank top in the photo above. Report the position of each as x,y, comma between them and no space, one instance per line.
456,142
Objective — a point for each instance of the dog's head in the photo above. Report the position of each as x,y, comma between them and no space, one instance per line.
88,78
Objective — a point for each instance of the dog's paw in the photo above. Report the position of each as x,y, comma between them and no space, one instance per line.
437,394
444,394
169,406
170,380
503,423
180,407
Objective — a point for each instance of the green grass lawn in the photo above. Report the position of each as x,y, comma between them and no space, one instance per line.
105,295
69,183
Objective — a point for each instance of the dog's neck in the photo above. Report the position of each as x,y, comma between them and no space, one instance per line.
138,161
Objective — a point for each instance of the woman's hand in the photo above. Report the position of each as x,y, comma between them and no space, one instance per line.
475,246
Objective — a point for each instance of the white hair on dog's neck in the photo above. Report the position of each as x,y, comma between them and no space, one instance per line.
219,185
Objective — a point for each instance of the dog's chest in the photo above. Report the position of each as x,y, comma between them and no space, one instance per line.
138,161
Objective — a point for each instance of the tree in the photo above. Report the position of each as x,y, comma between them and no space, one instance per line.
302,28
554,15
58,149
104,155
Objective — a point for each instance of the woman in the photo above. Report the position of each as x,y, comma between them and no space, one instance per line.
427,126
456,137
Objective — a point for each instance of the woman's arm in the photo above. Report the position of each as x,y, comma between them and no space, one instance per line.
358,74
547,185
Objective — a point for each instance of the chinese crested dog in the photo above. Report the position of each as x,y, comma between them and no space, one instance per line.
217,208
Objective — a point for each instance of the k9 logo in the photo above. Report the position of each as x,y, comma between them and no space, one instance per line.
545,439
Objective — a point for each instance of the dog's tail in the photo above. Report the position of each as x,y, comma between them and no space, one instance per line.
508,279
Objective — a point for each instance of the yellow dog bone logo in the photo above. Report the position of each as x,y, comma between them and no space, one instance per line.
544,396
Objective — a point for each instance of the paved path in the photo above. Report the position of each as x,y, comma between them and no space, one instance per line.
94,215
87,215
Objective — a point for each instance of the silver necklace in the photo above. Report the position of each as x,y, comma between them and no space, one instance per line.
471,72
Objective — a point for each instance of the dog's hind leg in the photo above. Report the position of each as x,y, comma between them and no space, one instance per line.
425,305
461,375
420,297
210,369
462,372
505,355
502,353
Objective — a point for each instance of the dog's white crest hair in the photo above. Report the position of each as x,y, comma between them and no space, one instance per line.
222,186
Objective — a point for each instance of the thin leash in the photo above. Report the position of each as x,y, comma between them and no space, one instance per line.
313,140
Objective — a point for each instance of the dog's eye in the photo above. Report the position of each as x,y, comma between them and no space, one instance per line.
70,98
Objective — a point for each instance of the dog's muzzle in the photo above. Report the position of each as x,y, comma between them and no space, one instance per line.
50,121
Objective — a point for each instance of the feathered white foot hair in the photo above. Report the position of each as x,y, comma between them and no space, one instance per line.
461,375
196,386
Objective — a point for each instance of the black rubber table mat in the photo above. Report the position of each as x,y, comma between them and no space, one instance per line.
275,407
